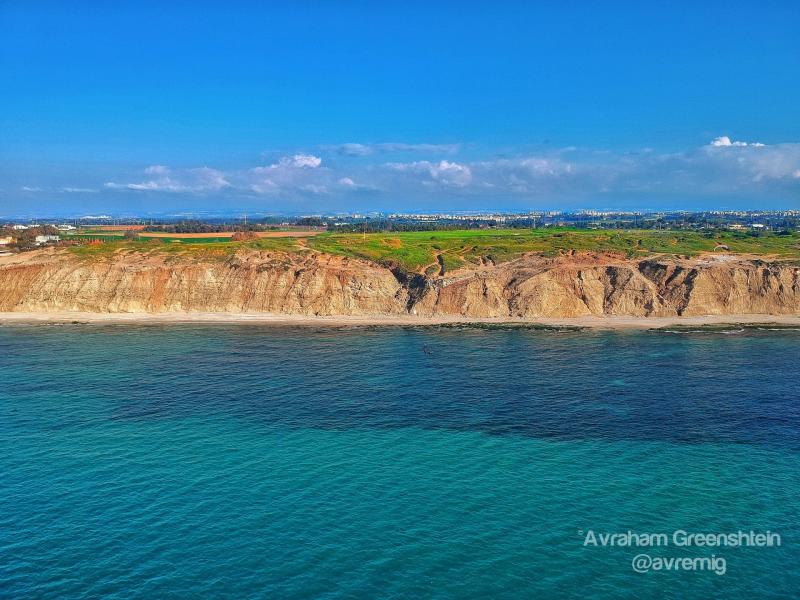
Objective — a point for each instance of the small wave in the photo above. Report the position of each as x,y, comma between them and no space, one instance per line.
723,329
504,326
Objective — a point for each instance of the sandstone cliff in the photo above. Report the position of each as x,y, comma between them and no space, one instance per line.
319,284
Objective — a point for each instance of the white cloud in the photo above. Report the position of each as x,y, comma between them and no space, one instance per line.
290,175
529,174
206,178
431,148
750,163
353,149
202,179
719,169
451,173
305,160
31,188
77,190
445,172
724,141
531,166
288,163
298,161
350,185
356,149
265,186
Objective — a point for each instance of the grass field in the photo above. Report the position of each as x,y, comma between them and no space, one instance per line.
117,237
426,251
418,250
211,248
117,232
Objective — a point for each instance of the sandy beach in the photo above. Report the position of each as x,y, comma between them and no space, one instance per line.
609,322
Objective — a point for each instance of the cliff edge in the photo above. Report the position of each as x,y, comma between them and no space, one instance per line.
313,283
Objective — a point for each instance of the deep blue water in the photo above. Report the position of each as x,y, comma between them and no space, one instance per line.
214,461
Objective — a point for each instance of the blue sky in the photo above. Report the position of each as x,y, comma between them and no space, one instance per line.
321,106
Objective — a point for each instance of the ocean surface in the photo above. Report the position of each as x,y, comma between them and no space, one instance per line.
188,461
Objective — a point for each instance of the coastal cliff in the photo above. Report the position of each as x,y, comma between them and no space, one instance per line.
313,283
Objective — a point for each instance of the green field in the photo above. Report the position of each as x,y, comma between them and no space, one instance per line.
428,251
420,250
208,248
115,237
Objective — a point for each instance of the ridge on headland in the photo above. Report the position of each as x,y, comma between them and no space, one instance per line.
495,276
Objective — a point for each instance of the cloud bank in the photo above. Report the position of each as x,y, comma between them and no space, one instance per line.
163,179
724,141
723,168
357,149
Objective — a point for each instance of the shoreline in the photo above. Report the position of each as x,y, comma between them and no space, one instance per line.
590,322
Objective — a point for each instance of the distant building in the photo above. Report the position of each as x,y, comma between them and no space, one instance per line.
5,241
19,227
66,227
44,239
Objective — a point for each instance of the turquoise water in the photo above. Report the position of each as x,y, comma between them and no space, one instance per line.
227,461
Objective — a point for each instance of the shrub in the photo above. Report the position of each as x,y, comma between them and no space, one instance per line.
242,236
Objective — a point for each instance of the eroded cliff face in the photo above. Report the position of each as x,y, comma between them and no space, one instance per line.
248,282
319,284
590,285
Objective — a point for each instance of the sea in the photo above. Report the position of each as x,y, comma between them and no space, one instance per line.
248,461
